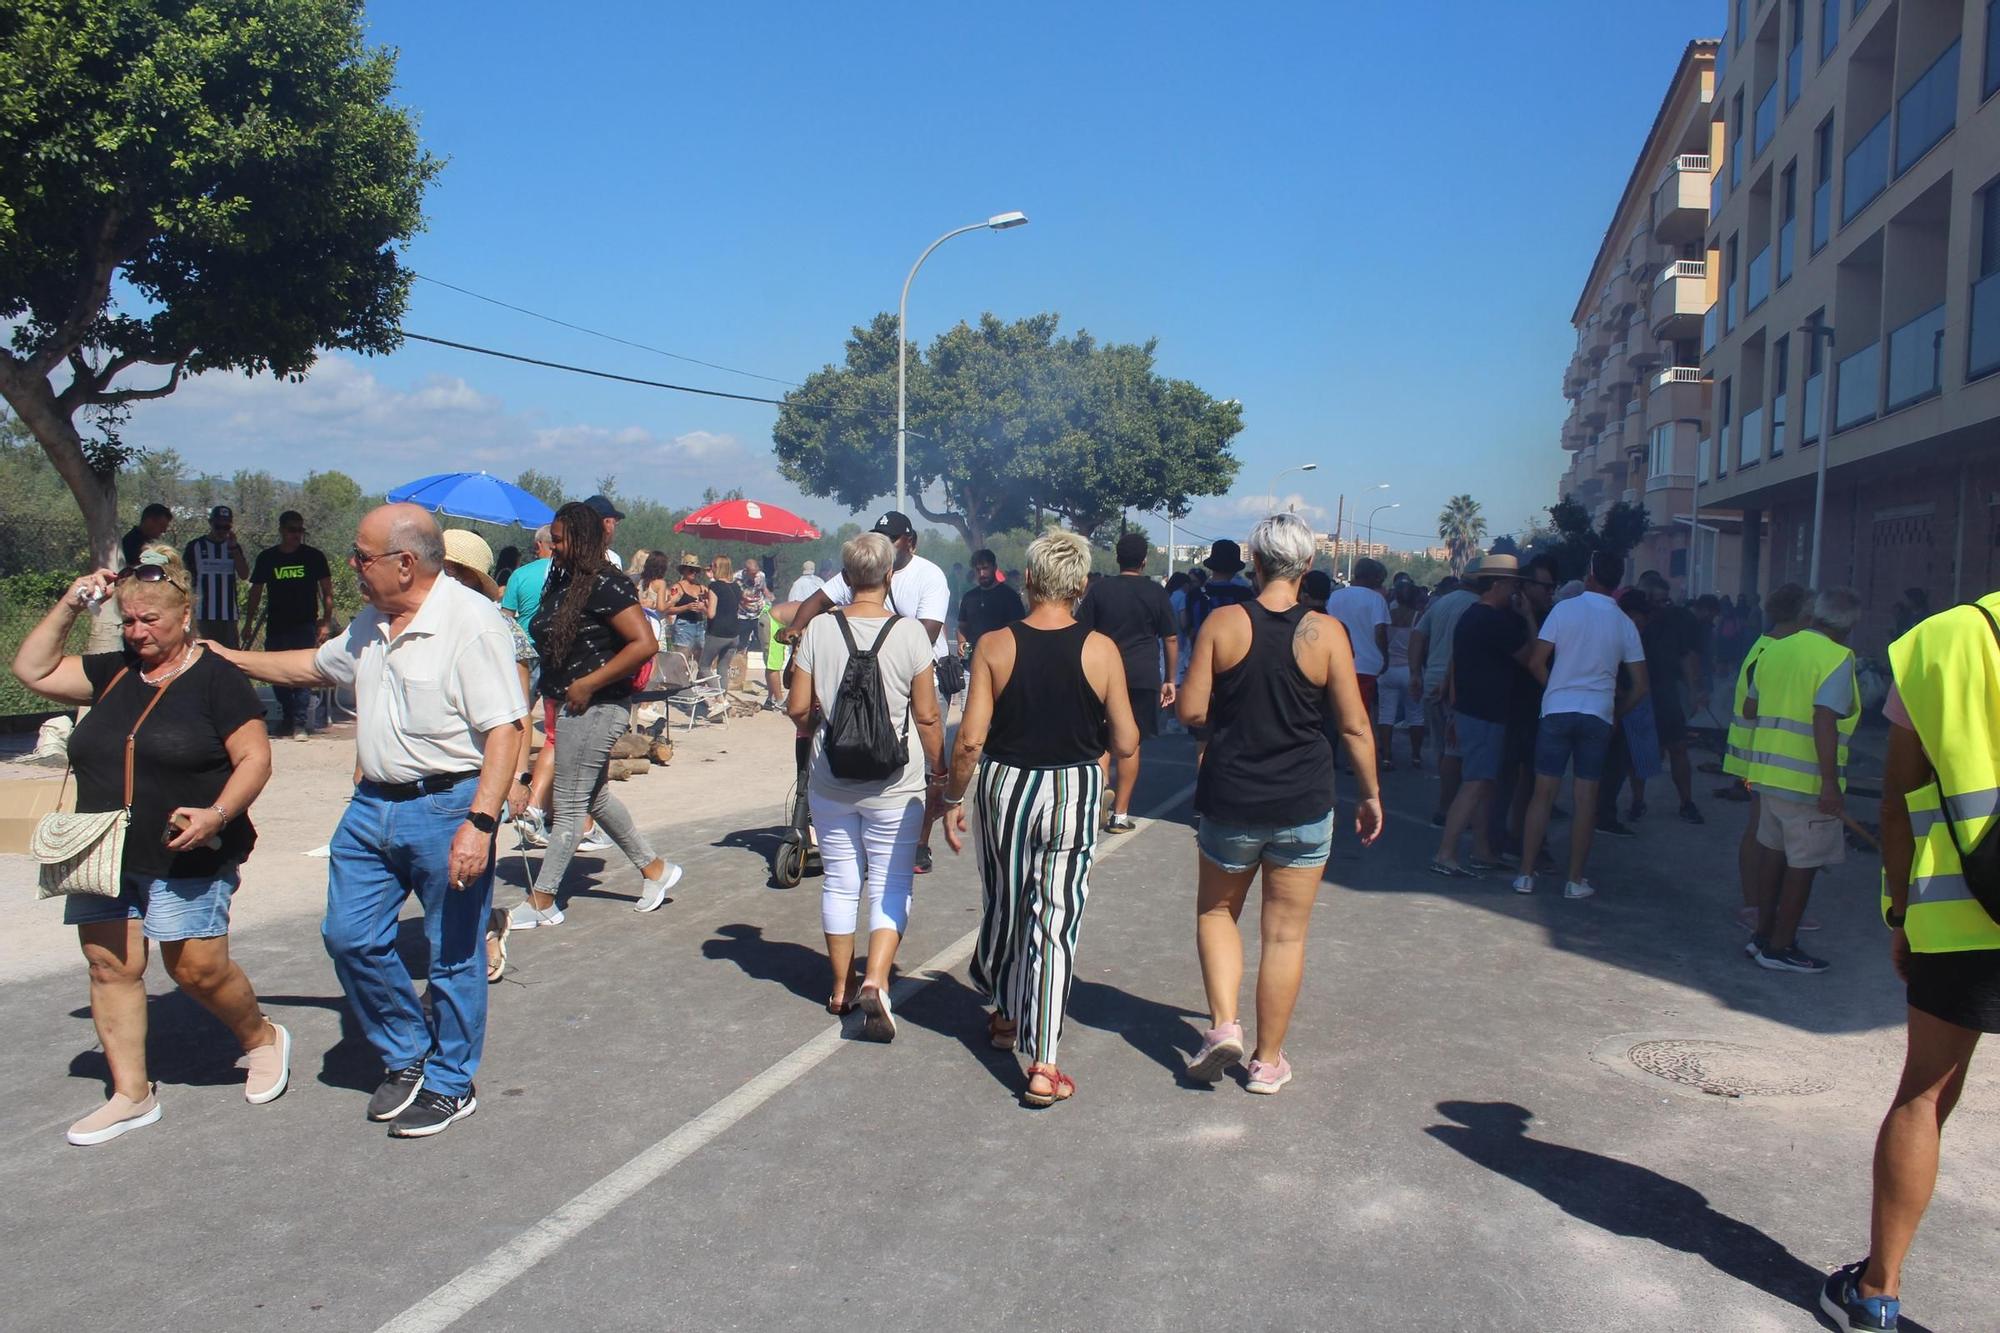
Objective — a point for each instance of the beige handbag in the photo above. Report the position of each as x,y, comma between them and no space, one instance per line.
86,853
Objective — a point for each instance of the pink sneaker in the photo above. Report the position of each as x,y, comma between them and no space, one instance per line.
270,1067
118,1116
1268,1078
1220,1048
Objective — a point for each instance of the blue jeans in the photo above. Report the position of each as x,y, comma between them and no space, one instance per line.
296,703
1240,847
1584,736
194,908
383,852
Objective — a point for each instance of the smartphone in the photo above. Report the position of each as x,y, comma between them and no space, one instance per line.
177,824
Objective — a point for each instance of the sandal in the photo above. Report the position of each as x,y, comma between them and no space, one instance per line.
496,933
1061,1086
999,1032
839,1008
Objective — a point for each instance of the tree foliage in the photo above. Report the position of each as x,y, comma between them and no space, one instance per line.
1575,540
1462,528
1012,423
190,185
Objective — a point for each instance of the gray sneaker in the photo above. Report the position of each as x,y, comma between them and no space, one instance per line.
594,841
526,916
653,892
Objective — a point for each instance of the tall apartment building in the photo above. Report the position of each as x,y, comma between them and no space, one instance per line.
1858,190
1639,401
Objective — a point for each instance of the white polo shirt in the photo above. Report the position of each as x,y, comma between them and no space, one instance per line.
423,698
1591,637
918,590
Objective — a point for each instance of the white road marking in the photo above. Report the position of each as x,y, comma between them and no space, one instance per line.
464,1293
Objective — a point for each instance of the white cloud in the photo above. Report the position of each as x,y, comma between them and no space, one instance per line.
342,416
1247,509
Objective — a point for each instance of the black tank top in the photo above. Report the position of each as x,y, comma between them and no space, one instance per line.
1047,716
727,595
1267,762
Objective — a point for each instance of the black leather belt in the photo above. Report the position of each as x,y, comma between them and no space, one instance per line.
430,786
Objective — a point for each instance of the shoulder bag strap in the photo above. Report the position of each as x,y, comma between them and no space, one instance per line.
1937,780
68,768
132,737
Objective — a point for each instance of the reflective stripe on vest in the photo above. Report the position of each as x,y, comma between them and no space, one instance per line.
1781,756
1736,746
1948,673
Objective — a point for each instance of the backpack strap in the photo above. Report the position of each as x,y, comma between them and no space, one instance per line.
1937,779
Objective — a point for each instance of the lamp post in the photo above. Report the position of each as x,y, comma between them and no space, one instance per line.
1694,520
1302,467
1815,331
1398,504
998,222
1340,516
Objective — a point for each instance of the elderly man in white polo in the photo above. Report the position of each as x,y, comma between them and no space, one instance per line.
439,708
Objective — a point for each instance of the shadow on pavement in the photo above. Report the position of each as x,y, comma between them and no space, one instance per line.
955,1010
1628,1200
800,969
1160,1032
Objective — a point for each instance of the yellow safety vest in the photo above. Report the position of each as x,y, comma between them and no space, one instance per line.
1736,750
1948,673
1781,758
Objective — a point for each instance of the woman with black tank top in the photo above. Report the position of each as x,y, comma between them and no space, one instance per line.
1047,696
1266,674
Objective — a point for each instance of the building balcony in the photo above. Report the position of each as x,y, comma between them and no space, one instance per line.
1677,393
1644,351
1596,337
1617,370
1668,499
1680,298
1680,201
1635,413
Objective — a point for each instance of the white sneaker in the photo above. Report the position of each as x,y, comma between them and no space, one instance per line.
653,892
594,841
526,917
529,825
1524,883
1578,888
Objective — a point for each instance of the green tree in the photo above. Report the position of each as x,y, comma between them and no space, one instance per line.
1575,540
547,489
1463,529
1012,422
234,168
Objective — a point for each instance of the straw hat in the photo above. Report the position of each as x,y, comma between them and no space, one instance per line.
689,560
469,551
1494,566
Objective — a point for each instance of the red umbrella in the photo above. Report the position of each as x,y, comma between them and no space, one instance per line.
747,521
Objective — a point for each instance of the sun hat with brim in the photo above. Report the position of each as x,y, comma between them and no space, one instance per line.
1495,566
1225,557
689,560
469,551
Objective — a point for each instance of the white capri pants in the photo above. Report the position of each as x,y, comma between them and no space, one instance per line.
875,849
1393,705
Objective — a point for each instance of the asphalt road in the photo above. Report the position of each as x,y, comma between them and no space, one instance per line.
673,1134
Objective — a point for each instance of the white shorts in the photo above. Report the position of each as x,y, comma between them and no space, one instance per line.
1393,705
1808,838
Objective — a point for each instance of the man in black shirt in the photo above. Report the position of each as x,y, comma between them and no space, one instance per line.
988,604
300,582
1490,649
154,520
1672,637
1137,615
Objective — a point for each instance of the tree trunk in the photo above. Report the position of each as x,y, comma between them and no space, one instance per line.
34,402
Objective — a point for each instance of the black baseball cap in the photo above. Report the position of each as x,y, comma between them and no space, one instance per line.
605,509
895,526
222,514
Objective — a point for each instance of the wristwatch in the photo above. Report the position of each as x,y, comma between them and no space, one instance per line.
482,821
1894,919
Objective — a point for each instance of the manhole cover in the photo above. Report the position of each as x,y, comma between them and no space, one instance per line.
1723,1069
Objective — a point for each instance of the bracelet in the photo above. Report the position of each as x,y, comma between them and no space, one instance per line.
223,813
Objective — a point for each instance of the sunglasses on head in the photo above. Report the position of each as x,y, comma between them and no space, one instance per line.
144,573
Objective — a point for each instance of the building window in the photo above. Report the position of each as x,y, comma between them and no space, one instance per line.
1736,141
1729,286
1822,199
1788,219
1812,404
1795,54
1742,22
1829,28
1724,401
1992,82
1983,337
1781,379
1928,111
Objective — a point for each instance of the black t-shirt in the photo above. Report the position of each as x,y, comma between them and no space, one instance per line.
133,542
596,641
1137,614
179,759
1671,633
1483,665
291,584
983,610
726,623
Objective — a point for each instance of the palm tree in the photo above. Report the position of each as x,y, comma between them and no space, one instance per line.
1463,529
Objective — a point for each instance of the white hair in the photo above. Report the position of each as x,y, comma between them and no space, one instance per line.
808,568
1058,567
1838,608
1282,547
867,560
419,534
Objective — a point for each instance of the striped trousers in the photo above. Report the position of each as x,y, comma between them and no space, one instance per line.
1037,837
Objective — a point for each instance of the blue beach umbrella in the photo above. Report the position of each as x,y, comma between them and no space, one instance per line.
474,495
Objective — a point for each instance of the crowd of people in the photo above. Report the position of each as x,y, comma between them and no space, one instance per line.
1520,680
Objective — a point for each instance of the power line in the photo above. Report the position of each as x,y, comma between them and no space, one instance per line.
598,333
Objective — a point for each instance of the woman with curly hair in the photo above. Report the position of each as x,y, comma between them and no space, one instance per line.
593,638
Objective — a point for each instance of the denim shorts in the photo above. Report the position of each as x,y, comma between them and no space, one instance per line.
1483,745
1240,847
195,908
1585,736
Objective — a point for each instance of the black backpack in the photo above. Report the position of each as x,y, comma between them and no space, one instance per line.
861,743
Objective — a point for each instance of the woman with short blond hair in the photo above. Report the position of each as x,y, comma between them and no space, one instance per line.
199,756
1047,696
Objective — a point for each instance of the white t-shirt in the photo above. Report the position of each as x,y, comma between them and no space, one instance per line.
804,586
903,655
1591,638
423,697
1361,610
918,590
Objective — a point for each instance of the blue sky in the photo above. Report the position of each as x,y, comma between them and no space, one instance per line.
1368,223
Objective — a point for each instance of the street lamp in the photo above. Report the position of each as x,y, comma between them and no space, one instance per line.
1339,521
998,222
1694,520
1371,534
1302,467
1816,330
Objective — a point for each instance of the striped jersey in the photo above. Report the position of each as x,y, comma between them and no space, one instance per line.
214,571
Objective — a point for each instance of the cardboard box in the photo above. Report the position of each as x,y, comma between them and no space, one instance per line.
23,801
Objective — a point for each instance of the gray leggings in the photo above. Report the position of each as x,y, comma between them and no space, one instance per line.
583,787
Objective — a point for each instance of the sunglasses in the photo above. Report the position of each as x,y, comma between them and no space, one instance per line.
143,573
360,559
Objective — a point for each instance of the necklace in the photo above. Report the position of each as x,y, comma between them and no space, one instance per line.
182,663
